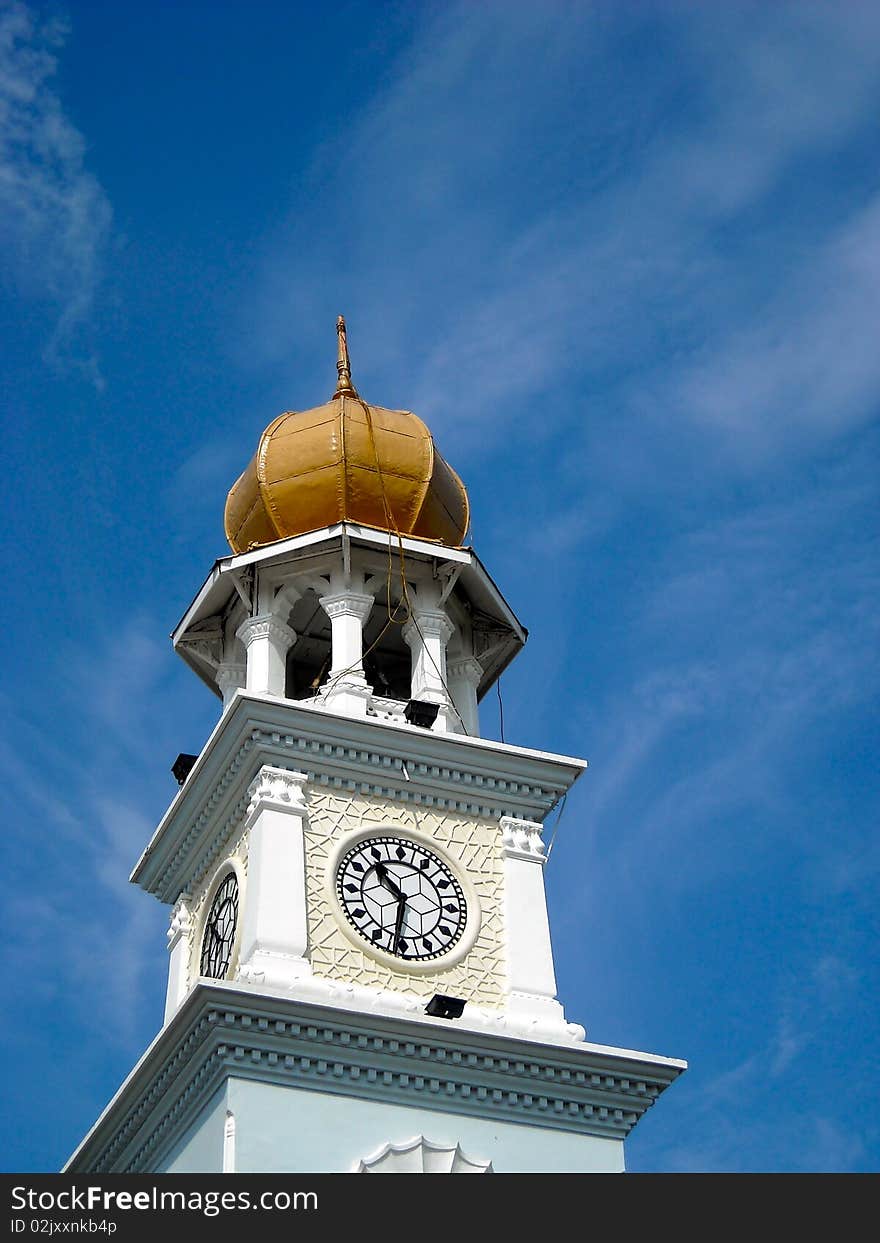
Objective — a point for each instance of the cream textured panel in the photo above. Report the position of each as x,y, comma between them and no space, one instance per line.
475,844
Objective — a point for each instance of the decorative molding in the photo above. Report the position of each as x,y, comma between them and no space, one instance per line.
349,681
419,1156
271,969
539,1017
221,1031
522,839
347,604
431,623
470,793
210,650
205,639
449,774
279,788
229,839
231,676
180,923
468,668
384,709
265,626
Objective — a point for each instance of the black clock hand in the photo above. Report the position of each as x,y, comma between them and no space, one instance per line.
398,927
387,883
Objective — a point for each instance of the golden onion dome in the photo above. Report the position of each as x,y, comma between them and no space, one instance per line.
346,460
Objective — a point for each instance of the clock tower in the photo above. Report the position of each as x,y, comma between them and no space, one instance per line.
360,972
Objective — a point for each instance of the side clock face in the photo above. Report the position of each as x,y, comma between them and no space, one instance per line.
401,898
219,935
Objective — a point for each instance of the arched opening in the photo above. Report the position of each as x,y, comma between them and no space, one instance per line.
309,660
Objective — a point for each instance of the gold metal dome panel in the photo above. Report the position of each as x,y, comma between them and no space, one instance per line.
346,460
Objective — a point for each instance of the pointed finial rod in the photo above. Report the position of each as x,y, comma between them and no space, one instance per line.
343,363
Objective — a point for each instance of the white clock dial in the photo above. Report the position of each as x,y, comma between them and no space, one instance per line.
401,898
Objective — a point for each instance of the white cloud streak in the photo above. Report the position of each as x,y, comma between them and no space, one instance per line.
625,279
779,609
83,932
55,217
751,1097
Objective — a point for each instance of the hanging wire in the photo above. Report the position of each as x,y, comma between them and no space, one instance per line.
556,823
500,707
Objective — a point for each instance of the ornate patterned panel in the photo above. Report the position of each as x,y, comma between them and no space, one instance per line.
474,843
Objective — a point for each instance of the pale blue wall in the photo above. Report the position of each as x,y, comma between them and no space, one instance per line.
201,1149
279,1129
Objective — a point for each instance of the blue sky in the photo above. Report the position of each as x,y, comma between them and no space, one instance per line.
625,260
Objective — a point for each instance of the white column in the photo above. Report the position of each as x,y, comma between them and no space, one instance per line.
267,641
274,934
347,689
464,677
427,633
531,981
178,964
231,676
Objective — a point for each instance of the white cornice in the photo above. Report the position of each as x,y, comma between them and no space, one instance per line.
449,771
224,1031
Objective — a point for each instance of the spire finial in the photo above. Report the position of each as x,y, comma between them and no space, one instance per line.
343,364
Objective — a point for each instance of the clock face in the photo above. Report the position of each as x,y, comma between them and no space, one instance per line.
401,898
219,936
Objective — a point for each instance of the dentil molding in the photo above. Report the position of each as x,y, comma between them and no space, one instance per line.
222,1031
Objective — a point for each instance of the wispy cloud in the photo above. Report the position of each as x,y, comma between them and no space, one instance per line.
83,932
676,272
751,1097
807,362
777,609
55,217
